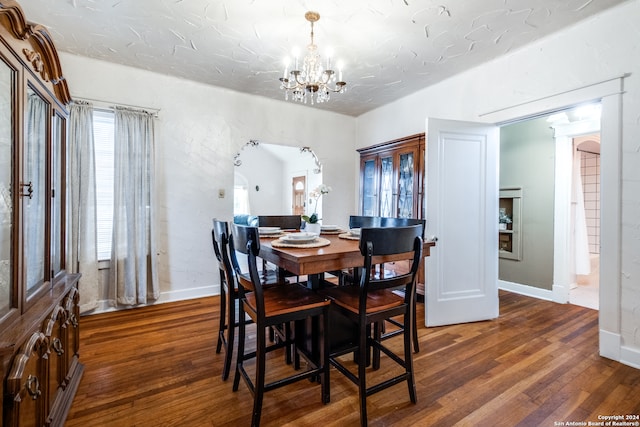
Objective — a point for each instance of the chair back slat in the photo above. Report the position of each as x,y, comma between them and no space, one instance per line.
403,222
358,221
220,237
286,222
390,241
246,240
387,241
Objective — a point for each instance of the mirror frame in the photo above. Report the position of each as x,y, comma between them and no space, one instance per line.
256,143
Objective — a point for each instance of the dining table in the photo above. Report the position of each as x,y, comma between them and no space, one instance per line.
342,252
339,251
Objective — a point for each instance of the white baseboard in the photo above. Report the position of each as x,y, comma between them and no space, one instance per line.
104,306
610,345
630,356
530,291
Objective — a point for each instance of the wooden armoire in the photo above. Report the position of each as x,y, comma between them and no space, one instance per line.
391,178
39,330
392,184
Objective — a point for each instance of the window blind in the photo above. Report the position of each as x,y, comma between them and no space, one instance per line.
103,131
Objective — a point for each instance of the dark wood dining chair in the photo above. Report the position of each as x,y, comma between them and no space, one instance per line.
285,222
404,222
228,293
372,301
376,221
271,307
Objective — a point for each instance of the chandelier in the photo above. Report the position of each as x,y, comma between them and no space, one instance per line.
313,78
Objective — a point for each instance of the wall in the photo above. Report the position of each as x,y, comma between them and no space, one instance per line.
527,161
199,130
600,48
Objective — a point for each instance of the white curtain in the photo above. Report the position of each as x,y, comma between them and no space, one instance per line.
582,259
133,277
82,254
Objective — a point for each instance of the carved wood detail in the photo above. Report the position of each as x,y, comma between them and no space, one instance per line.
36,62
40,41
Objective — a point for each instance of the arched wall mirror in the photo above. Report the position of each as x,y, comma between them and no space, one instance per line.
272,179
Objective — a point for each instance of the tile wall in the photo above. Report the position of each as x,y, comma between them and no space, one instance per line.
590,169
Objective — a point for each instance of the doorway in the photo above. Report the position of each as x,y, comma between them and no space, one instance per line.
609,93
585,292
577,197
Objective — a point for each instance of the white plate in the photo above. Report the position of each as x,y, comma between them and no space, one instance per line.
355,232
299,237
303,235
269,230
329,227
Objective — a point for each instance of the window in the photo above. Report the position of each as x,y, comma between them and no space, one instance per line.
240,200
103,131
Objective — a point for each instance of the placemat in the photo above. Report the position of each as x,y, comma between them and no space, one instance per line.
319,242
272,236
348,236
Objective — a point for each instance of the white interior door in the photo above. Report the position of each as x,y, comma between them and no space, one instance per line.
462,213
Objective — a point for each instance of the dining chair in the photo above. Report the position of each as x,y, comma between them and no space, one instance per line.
404,222
228,293
271,307
376,221
285,222
372,301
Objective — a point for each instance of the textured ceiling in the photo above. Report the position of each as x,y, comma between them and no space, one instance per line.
390,48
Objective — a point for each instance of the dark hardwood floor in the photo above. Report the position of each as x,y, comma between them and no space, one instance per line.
536,365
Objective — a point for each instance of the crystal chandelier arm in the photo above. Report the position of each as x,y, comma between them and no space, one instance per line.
285,84
339,87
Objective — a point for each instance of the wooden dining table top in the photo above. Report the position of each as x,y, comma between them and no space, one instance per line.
339,254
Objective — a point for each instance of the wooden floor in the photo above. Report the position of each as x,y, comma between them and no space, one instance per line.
536,365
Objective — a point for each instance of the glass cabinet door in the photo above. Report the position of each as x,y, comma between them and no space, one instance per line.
33,191
57,194
369,187
406,177
386,186
6,186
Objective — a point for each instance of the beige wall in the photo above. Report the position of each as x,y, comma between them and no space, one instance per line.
527,153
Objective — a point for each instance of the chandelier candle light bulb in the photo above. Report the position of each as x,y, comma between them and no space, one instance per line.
313,79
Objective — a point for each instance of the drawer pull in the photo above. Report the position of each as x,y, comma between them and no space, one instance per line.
74,320
33,387
57,346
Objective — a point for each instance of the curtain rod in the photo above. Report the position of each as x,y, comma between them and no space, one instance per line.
111,105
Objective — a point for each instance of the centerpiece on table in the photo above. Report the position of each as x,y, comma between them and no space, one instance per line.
311,221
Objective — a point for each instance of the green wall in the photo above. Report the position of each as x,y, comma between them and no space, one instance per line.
527,152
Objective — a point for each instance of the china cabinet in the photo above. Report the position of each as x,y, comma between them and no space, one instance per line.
391,178
39,335
392,185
